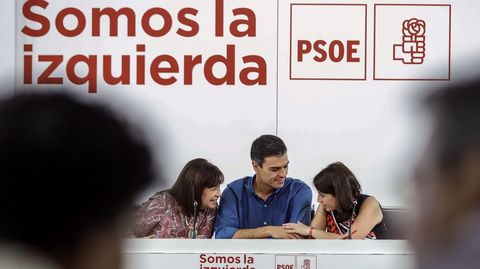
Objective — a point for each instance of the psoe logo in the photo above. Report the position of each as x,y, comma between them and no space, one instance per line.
412,41
412,48
306,262
328,41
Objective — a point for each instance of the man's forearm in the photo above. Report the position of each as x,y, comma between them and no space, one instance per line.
260,232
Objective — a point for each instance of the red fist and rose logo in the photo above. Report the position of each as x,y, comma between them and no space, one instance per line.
412,49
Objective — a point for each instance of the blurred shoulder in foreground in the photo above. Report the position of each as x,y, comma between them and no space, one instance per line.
448,181
68,171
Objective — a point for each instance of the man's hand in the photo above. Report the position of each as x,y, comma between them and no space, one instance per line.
280,233
297,228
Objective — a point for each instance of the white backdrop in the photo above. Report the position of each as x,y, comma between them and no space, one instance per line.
373,126
7,46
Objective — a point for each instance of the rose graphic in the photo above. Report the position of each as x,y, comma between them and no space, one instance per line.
412,49
414,27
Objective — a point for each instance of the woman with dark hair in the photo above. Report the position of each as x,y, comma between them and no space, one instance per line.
343,212
187,210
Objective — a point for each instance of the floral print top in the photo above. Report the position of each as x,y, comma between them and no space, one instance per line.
162,217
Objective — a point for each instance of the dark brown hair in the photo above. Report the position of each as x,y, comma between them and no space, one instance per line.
197,175
336,179
266,146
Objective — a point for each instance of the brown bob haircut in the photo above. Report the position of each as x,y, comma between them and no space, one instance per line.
336,179
197,175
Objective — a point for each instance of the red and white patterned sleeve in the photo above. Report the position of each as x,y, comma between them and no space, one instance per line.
149,216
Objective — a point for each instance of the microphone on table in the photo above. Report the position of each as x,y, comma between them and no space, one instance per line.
351,219
194,232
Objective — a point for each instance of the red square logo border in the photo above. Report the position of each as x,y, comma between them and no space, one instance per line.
449,42
327,4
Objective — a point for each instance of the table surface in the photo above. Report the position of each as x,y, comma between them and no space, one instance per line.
273,246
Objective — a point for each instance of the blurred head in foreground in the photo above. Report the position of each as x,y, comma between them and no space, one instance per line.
68,170
449,181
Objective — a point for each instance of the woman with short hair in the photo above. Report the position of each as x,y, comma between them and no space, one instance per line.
343,212
187,210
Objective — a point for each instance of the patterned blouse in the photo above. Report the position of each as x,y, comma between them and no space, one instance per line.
162,217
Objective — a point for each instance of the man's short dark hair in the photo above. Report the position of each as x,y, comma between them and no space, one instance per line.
456,109
67,169
266,146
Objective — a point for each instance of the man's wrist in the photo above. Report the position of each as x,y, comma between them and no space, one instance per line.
265,232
